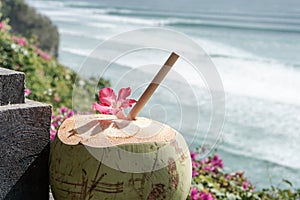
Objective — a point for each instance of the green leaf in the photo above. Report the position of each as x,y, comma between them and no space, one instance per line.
287,182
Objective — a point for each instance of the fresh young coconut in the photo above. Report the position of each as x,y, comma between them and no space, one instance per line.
110,157
102,157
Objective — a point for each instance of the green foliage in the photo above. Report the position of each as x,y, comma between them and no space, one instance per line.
276,193
48,80
32,25
209,176
210,181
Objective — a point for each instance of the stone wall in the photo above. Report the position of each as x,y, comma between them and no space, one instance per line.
24,141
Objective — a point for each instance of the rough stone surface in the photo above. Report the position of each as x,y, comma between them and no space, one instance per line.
11,87
24,150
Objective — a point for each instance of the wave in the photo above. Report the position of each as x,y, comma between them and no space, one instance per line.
262,19
196,23
101,25
74,33
41,4
277,26
243,74
283,161
142,11
239,26
78,52
126,16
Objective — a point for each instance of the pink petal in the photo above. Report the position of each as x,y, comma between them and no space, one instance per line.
107,96
131,102
121,115
127,103
123,93
2,25
27,92
45,56
52,134
102,108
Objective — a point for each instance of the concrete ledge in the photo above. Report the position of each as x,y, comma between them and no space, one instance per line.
24,150
11,87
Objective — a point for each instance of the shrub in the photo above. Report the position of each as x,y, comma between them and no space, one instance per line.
26,21
210,182
47,80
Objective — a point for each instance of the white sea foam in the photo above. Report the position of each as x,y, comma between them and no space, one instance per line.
101,25
243,74
70,32
267,80
80,52
266,151
41,4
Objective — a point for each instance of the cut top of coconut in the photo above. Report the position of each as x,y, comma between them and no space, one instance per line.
107,130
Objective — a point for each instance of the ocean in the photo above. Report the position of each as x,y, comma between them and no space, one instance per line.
255,47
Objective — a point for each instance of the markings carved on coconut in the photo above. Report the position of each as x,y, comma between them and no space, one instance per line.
138,184
158,192
179,150
97,186
174,176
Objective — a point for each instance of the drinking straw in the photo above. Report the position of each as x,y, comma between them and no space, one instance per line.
153,86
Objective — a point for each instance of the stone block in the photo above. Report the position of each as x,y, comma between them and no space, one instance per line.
24,150
11,87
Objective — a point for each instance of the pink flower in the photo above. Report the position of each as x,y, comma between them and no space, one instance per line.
206,196
110,103
56,97
63,109
41,53
15,38
45,56
2,25
204,161
194,194
70,114
27,92
194,173
193,155
195,164
246,185
20,41
52,134
216,161
209,168
55,124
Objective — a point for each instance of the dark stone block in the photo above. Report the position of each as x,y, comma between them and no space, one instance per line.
34,183
11,87
24,151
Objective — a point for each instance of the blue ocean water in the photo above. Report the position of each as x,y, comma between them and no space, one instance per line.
255,47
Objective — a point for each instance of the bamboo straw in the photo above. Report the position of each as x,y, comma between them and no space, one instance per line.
153,86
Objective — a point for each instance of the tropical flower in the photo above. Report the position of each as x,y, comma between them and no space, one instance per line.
20,41
194,194
45,56
206,196
27,92
2,25
111,104
52,134
57,120
246,185
39,52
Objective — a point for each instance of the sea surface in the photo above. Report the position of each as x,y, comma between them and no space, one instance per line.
255,47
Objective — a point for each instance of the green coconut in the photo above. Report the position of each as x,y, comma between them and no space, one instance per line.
101,157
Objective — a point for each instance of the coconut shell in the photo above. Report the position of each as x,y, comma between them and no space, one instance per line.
100,157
